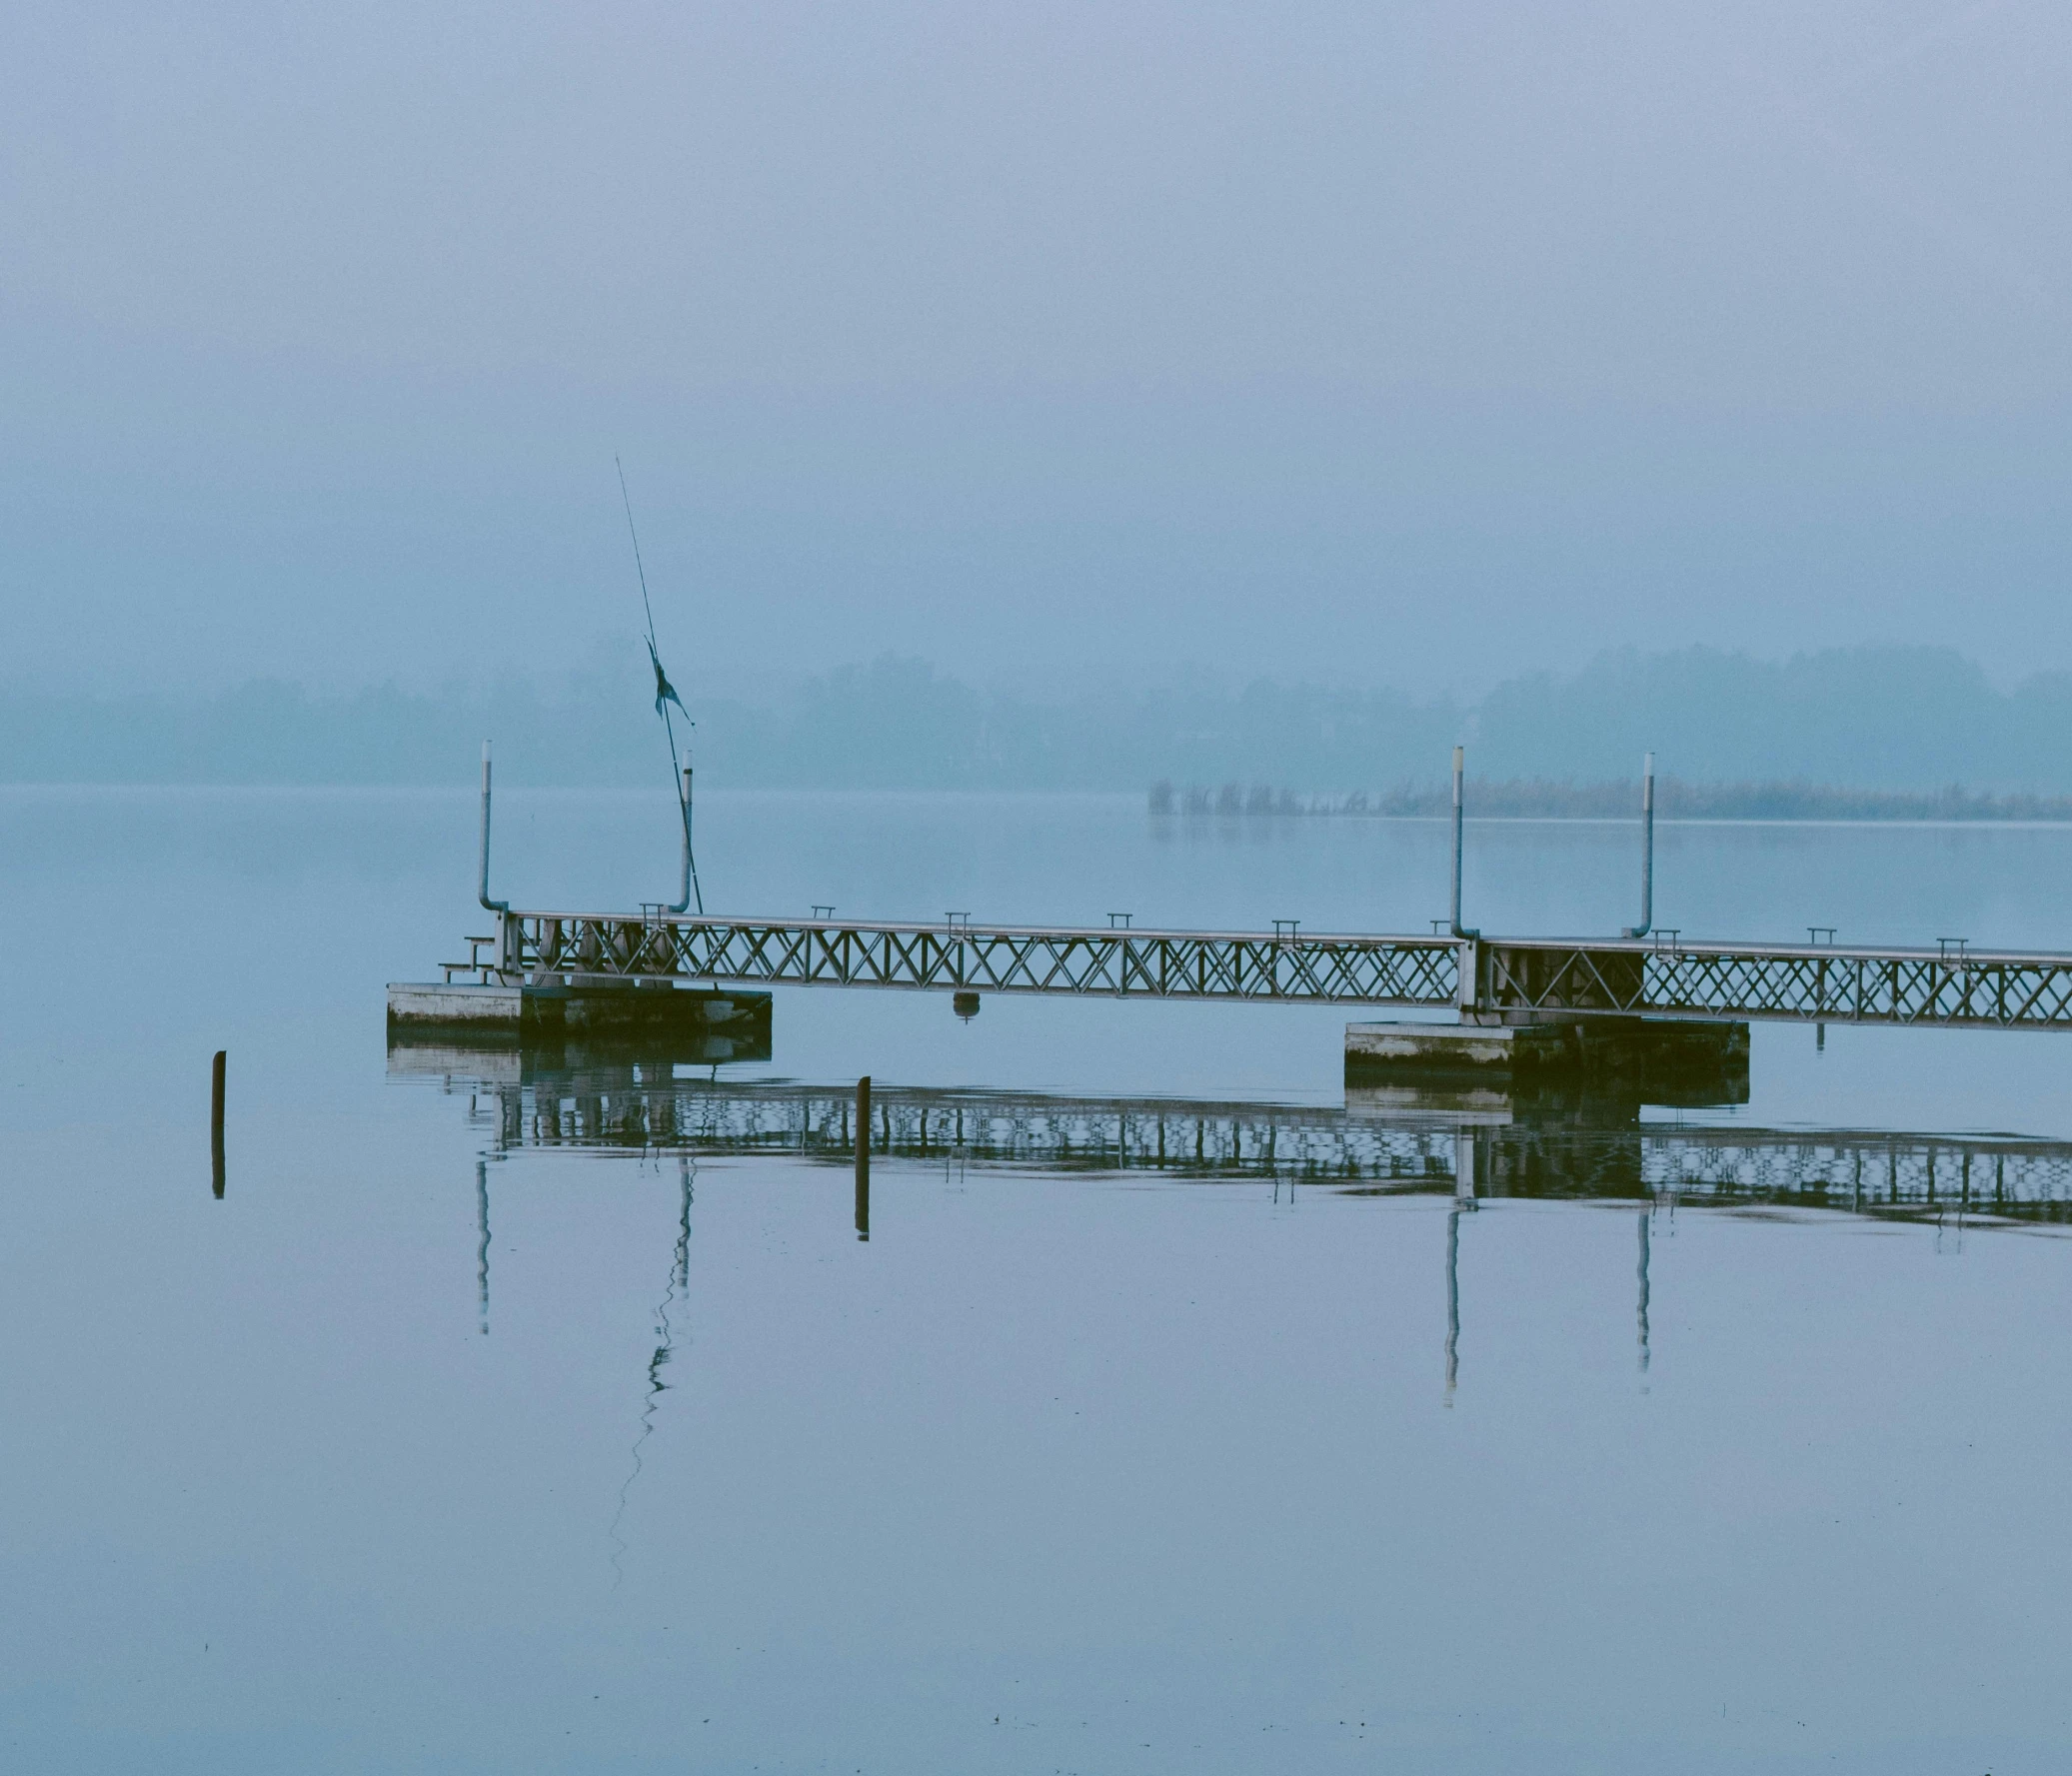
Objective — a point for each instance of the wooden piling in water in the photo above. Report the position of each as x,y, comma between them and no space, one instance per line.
216,1121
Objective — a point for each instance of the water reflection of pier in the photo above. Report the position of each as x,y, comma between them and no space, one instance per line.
1471,1148
1487,1147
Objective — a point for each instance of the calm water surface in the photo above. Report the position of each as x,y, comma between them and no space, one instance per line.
1067,1467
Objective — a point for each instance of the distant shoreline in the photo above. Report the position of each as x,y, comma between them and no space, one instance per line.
1675,799
1614,805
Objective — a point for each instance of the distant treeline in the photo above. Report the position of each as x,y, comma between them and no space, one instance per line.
1900,720
1675,799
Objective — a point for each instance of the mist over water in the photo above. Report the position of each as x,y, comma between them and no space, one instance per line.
1887,720
481,1426
1023,407
1414,349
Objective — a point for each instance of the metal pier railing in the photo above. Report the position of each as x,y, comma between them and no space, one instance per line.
1951,986
959,955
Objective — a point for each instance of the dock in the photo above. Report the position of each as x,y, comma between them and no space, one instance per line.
1649,1002
1479,979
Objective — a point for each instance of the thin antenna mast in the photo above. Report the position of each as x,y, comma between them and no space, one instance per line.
665,694
635,535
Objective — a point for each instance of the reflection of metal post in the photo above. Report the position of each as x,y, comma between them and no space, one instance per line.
864,1158
1452,1298
1464,1158
1467,1156
684,1222
1646,1215
1647,849
482,1244
1459,773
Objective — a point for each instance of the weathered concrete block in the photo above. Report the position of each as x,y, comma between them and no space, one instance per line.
426,1005
1428,1050
553,1010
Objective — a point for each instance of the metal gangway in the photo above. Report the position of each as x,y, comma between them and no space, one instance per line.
1647,973
1663,976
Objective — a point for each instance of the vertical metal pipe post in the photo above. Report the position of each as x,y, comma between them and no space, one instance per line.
1460,776
216,1122
482,891
683,897
1647,849
507,929
864,1158
690,883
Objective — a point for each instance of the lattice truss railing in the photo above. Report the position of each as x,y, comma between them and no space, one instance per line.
1944,989
1806,985
1061,1135
1871,1172
1875,1171
1163,964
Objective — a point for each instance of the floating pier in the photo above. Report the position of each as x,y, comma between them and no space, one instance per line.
1482,981
1649,1004
704,1025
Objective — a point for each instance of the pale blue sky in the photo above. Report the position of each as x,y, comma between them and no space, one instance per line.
1417,343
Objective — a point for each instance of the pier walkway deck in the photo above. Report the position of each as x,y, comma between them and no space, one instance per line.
1482,979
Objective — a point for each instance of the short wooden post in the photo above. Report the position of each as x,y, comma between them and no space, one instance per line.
216,1121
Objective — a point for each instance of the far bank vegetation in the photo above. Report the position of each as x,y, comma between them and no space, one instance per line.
1675,799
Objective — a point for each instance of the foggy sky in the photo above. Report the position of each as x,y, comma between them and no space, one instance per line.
1416,345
